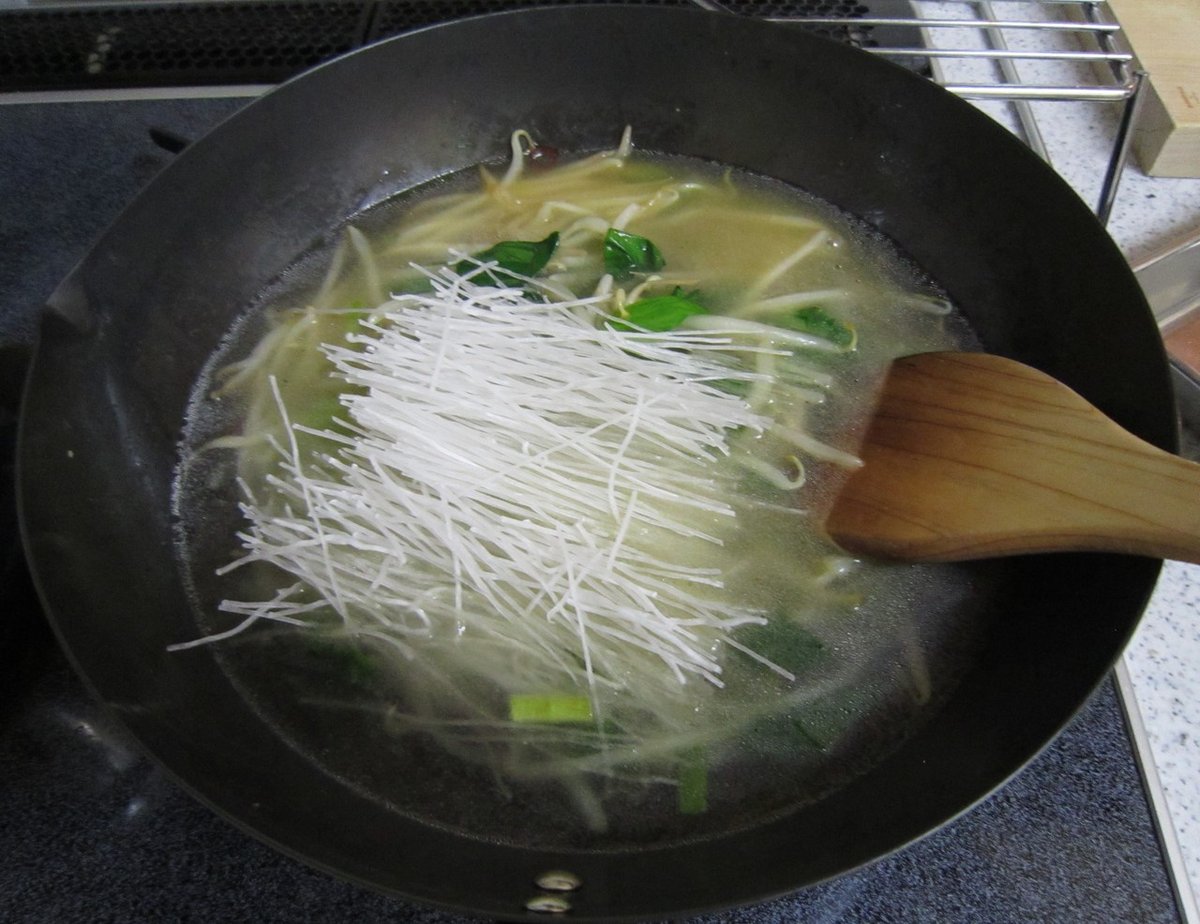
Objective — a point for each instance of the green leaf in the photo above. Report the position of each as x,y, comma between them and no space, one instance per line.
785,643
825,721
352,320
523,258
353,662
414,285
693,783
815,320
739,388
626,254
554,708
662,312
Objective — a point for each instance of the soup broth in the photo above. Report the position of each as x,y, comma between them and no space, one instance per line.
654,643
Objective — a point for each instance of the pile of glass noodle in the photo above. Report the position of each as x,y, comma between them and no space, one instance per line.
547,458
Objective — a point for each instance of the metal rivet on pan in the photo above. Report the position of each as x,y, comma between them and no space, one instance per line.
548,904
558,880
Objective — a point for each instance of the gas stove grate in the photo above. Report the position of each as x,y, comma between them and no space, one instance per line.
172,44
211,43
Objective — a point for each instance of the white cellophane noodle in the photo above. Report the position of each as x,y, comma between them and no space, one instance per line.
520,484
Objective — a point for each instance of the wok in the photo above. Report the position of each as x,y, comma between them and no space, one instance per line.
125,335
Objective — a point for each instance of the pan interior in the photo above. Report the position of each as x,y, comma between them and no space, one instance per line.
888,643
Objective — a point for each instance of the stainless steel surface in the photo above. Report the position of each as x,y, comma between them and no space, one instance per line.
1171,281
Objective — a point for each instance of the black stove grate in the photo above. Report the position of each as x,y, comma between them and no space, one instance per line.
396,16
174,44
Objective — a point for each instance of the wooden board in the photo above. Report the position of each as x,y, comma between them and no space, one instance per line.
1165,36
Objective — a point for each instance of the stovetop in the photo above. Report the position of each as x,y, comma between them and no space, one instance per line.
91,829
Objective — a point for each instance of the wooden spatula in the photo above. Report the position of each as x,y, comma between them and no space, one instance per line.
971,456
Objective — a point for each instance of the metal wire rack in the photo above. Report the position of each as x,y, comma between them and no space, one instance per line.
1076,50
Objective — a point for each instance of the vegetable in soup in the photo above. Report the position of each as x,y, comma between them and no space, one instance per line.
531,482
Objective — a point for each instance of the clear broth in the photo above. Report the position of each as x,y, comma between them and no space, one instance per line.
893,638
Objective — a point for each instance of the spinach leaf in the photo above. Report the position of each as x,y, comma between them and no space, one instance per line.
354,663
662,312
785,643
817,321
524,258
626,254
819,723
825,721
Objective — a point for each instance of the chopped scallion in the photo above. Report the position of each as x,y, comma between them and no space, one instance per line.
549,708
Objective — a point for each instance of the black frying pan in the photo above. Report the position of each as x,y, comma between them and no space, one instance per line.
125,335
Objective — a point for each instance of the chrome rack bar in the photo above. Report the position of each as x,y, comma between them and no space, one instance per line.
1087,41
1033,134
1121,147
999,54
1054,92
987,23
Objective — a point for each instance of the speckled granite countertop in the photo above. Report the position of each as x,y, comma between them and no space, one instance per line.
90,830
1163,664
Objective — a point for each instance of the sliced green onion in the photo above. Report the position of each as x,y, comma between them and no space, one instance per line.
355,664
549,708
